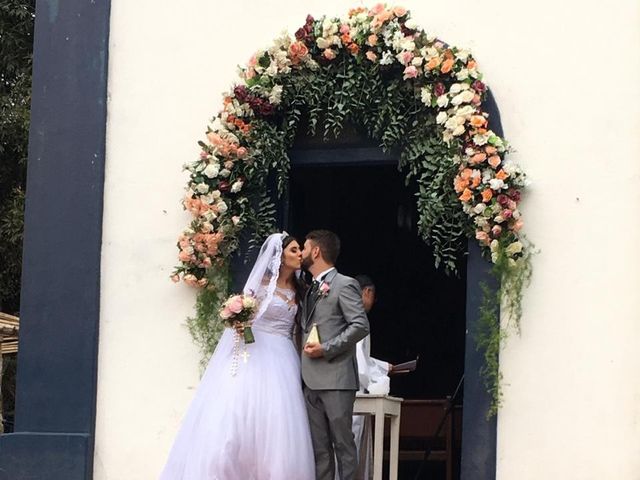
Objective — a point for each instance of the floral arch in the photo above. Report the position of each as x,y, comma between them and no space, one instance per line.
409,91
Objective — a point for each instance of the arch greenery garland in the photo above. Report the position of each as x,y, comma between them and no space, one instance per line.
409,91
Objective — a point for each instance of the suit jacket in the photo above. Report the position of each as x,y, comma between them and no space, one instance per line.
342,322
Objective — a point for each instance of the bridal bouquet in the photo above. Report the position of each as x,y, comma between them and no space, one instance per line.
239,309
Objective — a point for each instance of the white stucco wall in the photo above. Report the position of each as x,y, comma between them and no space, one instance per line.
565,75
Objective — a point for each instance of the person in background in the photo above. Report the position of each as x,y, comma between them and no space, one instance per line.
374,378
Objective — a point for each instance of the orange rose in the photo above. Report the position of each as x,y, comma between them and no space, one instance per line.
494,161
478,121
346,38
466,195
433,63
475,181
501,175
459,184
471,64
487,194
466,173
353,48
490,149
478,158
297,51
447,65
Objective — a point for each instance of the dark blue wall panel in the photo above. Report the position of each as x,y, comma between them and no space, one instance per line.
57,360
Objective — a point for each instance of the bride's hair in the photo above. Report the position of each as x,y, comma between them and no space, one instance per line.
299,287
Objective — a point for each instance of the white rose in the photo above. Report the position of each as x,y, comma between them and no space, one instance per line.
513,248
202,188
211,170
509,167
322,43
224,173
451,124
480,139
481,221
215,194
479,208
207,227
455,88
411,24
248,302
494,245
236,187
408,45
465,111
425,95
499,219
276,95
441,118
222,207
459,130
496,184
467,96
387,58
462,74
443,101
417,61
457,100
210,216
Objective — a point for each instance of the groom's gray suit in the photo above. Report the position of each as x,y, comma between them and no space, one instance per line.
331,381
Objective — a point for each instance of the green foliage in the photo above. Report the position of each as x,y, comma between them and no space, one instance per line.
491,335
16,46
205,327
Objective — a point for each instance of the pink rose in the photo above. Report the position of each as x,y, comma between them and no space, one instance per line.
242,152
517,226
235,219
228,164
377,9
202,282
206,263
329,54
483,237
507,214
344,29
399,11
324,289
410,72
235,304
190,279
175,278
496,230
406,57
184,256
225,313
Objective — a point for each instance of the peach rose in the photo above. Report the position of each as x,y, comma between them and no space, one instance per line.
372,39
447,65
399,11
433,63
175,278
478,121
494,160
459,184
202,282
478,158
466,195
241,152
490,149
353,48
487,194
501,175
329,54
517,225
377,8
371,56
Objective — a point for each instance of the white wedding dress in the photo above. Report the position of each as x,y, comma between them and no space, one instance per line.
251,426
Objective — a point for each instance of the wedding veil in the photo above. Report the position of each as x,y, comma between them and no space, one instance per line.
264,274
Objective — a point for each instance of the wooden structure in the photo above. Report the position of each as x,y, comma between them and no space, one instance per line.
9,326
381,406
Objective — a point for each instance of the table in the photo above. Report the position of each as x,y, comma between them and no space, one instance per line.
380,406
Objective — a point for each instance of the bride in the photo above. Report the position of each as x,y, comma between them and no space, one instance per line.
249,422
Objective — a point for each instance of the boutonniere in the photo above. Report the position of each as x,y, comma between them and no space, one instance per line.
324,289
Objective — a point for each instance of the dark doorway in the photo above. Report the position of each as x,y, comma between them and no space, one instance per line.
419,310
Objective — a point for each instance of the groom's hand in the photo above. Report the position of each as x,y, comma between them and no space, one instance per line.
313,350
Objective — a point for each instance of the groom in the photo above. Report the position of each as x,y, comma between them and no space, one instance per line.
329,368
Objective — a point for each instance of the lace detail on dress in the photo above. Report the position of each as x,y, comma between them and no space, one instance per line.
279,316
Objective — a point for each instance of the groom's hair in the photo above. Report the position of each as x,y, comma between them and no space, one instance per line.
328,242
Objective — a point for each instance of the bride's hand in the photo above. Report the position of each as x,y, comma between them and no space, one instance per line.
239,327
